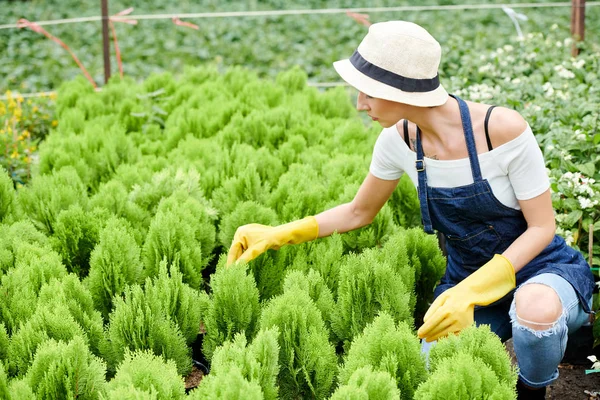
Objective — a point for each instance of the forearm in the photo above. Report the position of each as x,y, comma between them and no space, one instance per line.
529,245
342,218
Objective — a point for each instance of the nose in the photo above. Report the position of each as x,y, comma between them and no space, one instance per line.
361,102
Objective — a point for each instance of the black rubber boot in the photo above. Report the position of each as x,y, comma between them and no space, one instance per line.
526,393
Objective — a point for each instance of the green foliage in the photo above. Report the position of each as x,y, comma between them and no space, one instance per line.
368,384
48,322
70,292
114,263
75,236
428,263
234,306
372,235
463,376
180,303
4,393
307,360
230,385
3,344
20,286
12,237
247,186
404,203
20,390
8,198
148,375
66,370
312,284
139,322
478,342
48,195
257,362
181,228
387,347
368,286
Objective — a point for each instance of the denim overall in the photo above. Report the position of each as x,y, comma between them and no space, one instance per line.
476,225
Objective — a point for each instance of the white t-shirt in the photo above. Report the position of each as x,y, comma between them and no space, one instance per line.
515,170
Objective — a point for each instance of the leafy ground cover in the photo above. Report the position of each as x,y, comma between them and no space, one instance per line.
30,62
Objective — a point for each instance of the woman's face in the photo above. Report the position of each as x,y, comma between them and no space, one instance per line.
386,112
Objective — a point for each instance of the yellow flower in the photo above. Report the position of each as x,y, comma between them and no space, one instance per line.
9,94
52,96
54,123
29,102
35,109
14,154
2,108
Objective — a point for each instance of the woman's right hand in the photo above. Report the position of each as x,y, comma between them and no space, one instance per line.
252,240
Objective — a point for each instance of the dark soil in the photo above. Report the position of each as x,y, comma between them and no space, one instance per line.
572,382
193,379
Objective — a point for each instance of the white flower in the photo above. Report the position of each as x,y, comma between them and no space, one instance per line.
516,80
579,63
593,358
554,27
585,203
568,41
559,44
549,147
548,88
563,72
508,47
531,56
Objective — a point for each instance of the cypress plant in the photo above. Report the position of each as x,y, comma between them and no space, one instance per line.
230,385
181,228
307,360
34,266
3,344
234,306
52,322
63,370
114,263
479,342
137,322
48,195
4,393
245,213
20,390
312,284
75,236
387,347
15,235
8,197
258,362
148,376
368,384
463,376
367,287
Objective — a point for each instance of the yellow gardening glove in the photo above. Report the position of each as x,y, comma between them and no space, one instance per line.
252,240
453,310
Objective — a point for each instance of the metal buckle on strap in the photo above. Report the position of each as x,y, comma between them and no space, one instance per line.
420,165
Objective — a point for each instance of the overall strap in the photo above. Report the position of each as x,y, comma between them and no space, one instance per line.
422,175
468,130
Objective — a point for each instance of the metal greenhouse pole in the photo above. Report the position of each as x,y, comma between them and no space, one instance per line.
577,24
105,40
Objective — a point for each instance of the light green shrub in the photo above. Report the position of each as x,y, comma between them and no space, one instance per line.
463,376
387,347
144,373
15,235
307,360
20,286
479,342
138,323
230,385
312,283
368,384
4,393
3,344
75,236
8,198
366,287
234,306
245,186
48,195
66,370
181,228
49,322
257,362
114,263
69,291
169,296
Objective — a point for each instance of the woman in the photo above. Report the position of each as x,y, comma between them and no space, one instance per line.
481,182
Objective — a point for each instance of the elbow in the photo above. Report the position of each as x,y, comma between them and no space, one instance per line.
360,217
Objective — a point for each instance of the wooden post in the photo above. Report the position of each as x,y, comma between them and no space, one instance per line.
105,40
591,245
577,24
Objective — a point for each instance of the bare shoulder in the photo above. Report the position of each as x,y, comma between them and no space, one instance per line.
505,125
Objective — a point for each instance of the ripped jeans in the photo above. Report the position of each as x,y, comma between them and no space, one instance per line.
538,351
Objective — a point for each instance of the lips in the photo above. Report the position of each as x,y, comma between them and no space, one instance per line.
373,118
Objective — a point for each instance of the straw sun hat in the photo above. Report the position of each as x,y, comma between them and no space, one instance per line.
397,61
